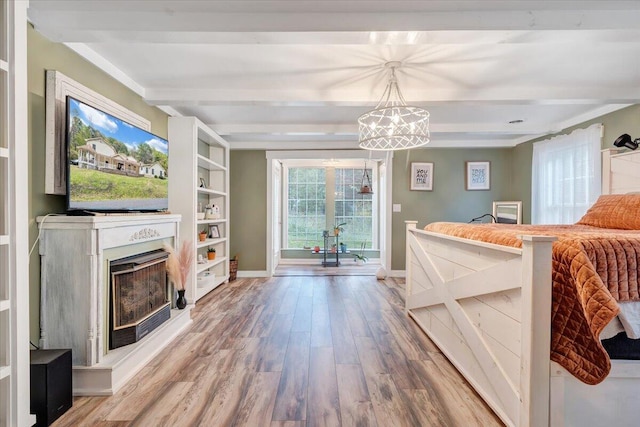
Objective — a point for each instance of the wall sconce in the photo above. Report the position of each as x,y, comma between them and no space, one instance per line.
624,140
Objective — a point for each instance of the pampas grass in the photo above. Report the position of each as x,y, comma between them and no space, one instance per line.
179,264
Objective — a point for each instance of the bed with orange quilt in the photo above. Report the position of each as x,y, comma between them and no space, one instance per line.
519,310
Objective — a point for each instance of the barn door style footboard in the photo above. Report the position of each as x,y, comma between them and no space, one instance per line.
488,308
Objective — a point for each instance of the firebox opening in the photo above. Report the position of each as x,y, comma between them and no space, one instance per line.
139,300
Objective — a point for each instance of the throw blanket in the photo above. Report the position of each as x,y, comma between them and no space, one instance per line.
592,269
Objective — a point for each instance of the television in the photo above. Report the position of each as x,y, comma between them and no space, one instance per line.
113,166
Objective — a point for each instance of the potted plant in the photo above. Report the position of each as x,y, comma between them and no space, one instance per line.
211,253
337,229
360,258
202,235
343,247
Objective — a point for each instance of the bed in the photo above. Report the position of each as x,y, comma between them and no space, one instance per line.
489,307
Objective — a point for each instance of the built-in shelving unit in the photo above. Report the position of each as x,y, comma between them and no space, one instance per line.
199,177
14,217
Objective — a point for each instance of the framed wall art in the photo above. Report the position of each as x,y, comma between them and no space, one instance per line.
478,176
421,176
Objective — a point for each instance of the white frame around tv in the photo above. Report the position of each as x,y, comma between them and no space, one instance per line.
59,86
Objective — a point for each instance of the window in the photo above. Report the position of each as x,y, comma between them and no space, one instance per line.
306,207
319,197
354,209
566,176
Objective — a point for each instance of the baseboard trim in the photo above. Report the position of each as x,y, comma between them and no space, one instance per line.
252,273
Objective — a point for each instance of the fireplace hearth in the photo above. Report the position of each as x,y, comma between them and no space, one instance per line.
139,300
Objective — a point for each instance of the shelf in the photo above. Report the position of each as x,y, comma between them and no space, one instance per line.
4,65
210,165
200,292
210,242
4,239
210,191
211,221
4,153
5,371
4,305
202,267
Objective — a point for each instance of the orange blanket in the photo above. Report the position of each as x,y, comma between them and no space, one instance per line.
592,269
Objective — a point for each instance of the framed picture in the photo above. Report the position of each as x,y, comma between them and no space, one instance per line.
214,232
421,176
478,176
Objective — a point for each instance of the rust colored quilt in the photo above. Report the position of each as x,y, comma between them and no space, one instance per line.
592,269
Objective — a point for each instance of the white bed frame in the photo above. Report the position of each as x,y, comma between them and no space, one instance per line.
488,308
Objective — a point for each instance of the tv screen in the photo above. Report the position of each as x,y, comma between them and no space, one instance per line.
113,166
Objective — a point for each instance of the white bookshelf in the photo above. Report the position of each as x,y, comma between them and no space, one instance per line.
14,218
201,154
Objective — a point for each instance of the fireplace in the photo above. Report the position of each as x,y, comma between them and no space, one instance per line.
139,300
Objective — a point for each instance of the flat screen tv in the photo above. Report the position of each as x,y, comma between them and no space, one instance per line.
113,166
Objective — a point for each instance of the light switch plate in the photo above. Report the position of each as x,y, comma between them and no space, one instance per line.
397,207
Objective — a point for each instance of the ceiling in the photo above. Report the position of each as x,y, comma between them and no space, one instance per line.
297,74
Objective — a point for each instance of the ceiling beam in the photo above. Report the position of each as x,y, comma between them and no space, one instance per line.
352,128
502,95
349,145
90,21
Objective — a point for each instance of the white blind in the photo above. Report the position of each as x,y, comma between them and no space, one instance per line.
566,176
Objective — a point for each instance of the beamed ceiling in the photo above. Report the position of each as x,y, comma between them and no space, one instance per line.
297,74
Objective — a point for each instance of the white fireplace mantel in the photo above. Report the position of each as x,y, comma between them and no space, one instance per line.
75,254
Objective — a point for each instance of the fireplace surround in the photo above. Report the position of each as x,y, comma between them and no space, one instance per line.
76,254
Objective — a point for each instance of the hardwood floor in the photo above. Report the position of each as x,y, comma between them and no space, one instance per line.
294,351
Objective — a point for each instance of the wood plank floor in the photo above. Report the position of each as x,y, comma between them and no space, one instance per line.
294,351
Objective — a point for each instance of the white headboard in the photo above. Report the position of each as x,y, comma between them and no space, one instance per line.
620,172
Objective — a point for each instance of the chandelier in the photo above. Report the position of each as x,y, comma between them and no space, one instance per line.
393,125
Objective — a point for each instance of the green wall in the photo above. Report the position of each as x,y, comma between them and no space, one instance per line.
248,206
45,55
449,201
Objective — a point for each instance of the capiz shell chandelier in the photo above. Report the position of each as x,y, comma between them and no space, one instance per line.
393,125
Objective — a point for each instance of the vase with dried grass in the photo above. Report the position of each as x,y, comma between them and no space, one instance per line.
178,269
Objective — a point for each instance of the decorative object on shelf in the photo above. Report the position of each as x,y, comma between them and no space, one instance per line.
178,269
337,229
361,258
334,248
365,186
343,247
211,254
316,249
203,184
393,125
233,268
421,176
202,235
200,216
214,231
478,176
215,212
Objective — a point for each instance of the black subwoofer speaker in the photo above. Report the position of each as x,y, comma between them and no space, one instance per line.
51,388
